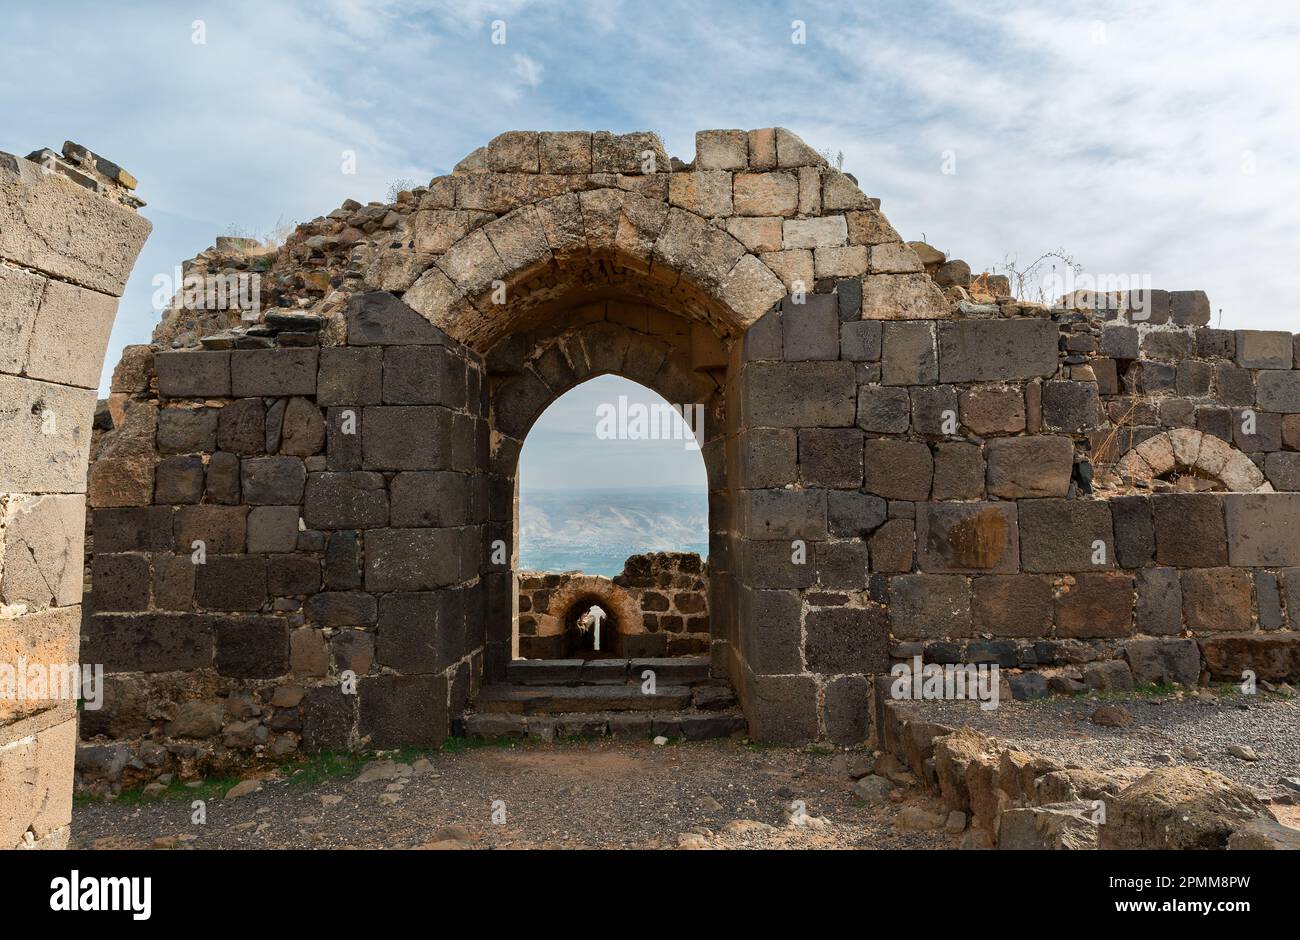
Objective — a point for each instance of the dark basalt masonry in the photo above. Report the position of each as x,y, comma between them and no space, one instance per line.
901,461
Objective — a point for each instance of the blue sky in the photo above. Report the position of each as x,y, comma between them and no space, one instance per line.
1140,138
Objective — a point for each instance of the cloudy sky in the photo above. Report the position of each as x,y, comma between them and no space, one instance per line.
1142,139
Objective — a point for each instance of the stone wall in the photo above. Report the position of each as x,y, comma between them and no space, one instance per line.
659,602
901,459
69,236
288,544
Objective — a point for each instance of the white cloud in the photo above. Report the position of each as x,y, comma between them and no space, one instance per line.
527,70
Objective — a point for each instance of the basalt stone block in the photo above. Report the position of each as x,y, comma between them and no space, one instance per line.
252,647
769,457
1167,346
178,480
762,340
1135,536
799,394
1278,391
1195,378
860,339
1013,605
328,717
958,471
893,546
1216,600
419,375
222,479
830,457
783,514
1272,657
770,641
273,528
231,582
840,565
412,559
342,609
421,632
1059,535
1266,434
1159,601
967,537
221,529
782,709
991,350
934,410
343,556
1158,662
406,437
1154,378
429,498
884,410
1071,406
1215,344
842,640
908,353
1004,653
357,500
1097,605
1190,530
272,373
1268,601
187,430
1261,529
290,575
774,565
350,376
1215,420
853,514
929,606
302,431
847,712
1283,471
132,529
343,450
121,582
1120,342
398,711
1189,307
173,582
193,374
991,410
897,469
377,318
1233,385
148,642
811,330
272,480
1264,349
1033,467
241,427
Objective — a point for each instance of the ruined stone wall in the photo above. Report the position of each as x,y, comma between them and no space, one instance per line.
69,236
661,599
287,548
1021,486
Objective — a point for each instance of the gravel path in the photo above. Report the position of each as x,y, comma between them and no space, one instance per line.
1060,728
600,794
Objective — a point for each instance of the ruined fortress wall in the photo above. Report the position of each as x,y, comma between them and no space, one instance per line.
901,460
68,240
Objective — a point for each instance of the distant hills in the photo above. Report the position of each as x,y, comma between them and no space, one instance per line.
595,530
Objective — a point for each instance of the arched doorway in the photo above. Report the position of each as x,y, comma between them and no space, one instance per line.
613,512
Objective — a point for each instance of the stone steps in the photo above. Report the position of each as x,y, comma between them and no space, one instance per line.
676,671
690,724
554,699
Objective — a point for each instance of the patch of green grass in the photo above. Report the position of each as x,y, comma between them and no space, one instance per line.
209,788
461,745
323,766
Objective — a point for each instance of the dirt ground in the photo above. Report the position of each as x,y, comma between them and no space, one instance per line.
598,794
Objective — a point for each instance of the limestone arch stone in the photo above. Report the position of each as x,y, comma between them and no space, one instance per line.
1193,451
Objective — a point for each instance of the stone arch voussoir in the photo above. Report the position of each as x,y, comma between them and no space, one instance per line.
1192,451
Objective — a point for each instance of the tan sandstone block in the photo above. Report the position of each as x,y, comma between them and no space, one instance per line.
49,223
766,194
894,258
513,152
45,430
48,639
639,226
705,192
121,481
561,218
519,239
473,264
638,152
794,268
756,233
601,209
436,230
870,227
36,784
902,297
750,289
840,193
42,565
20,299
762,148
697,250
810,190
828,232
848,261
66,312
721,150
565,152
791,151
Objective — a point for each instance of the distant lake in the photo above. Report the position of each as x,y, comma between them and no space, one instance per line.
595,530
